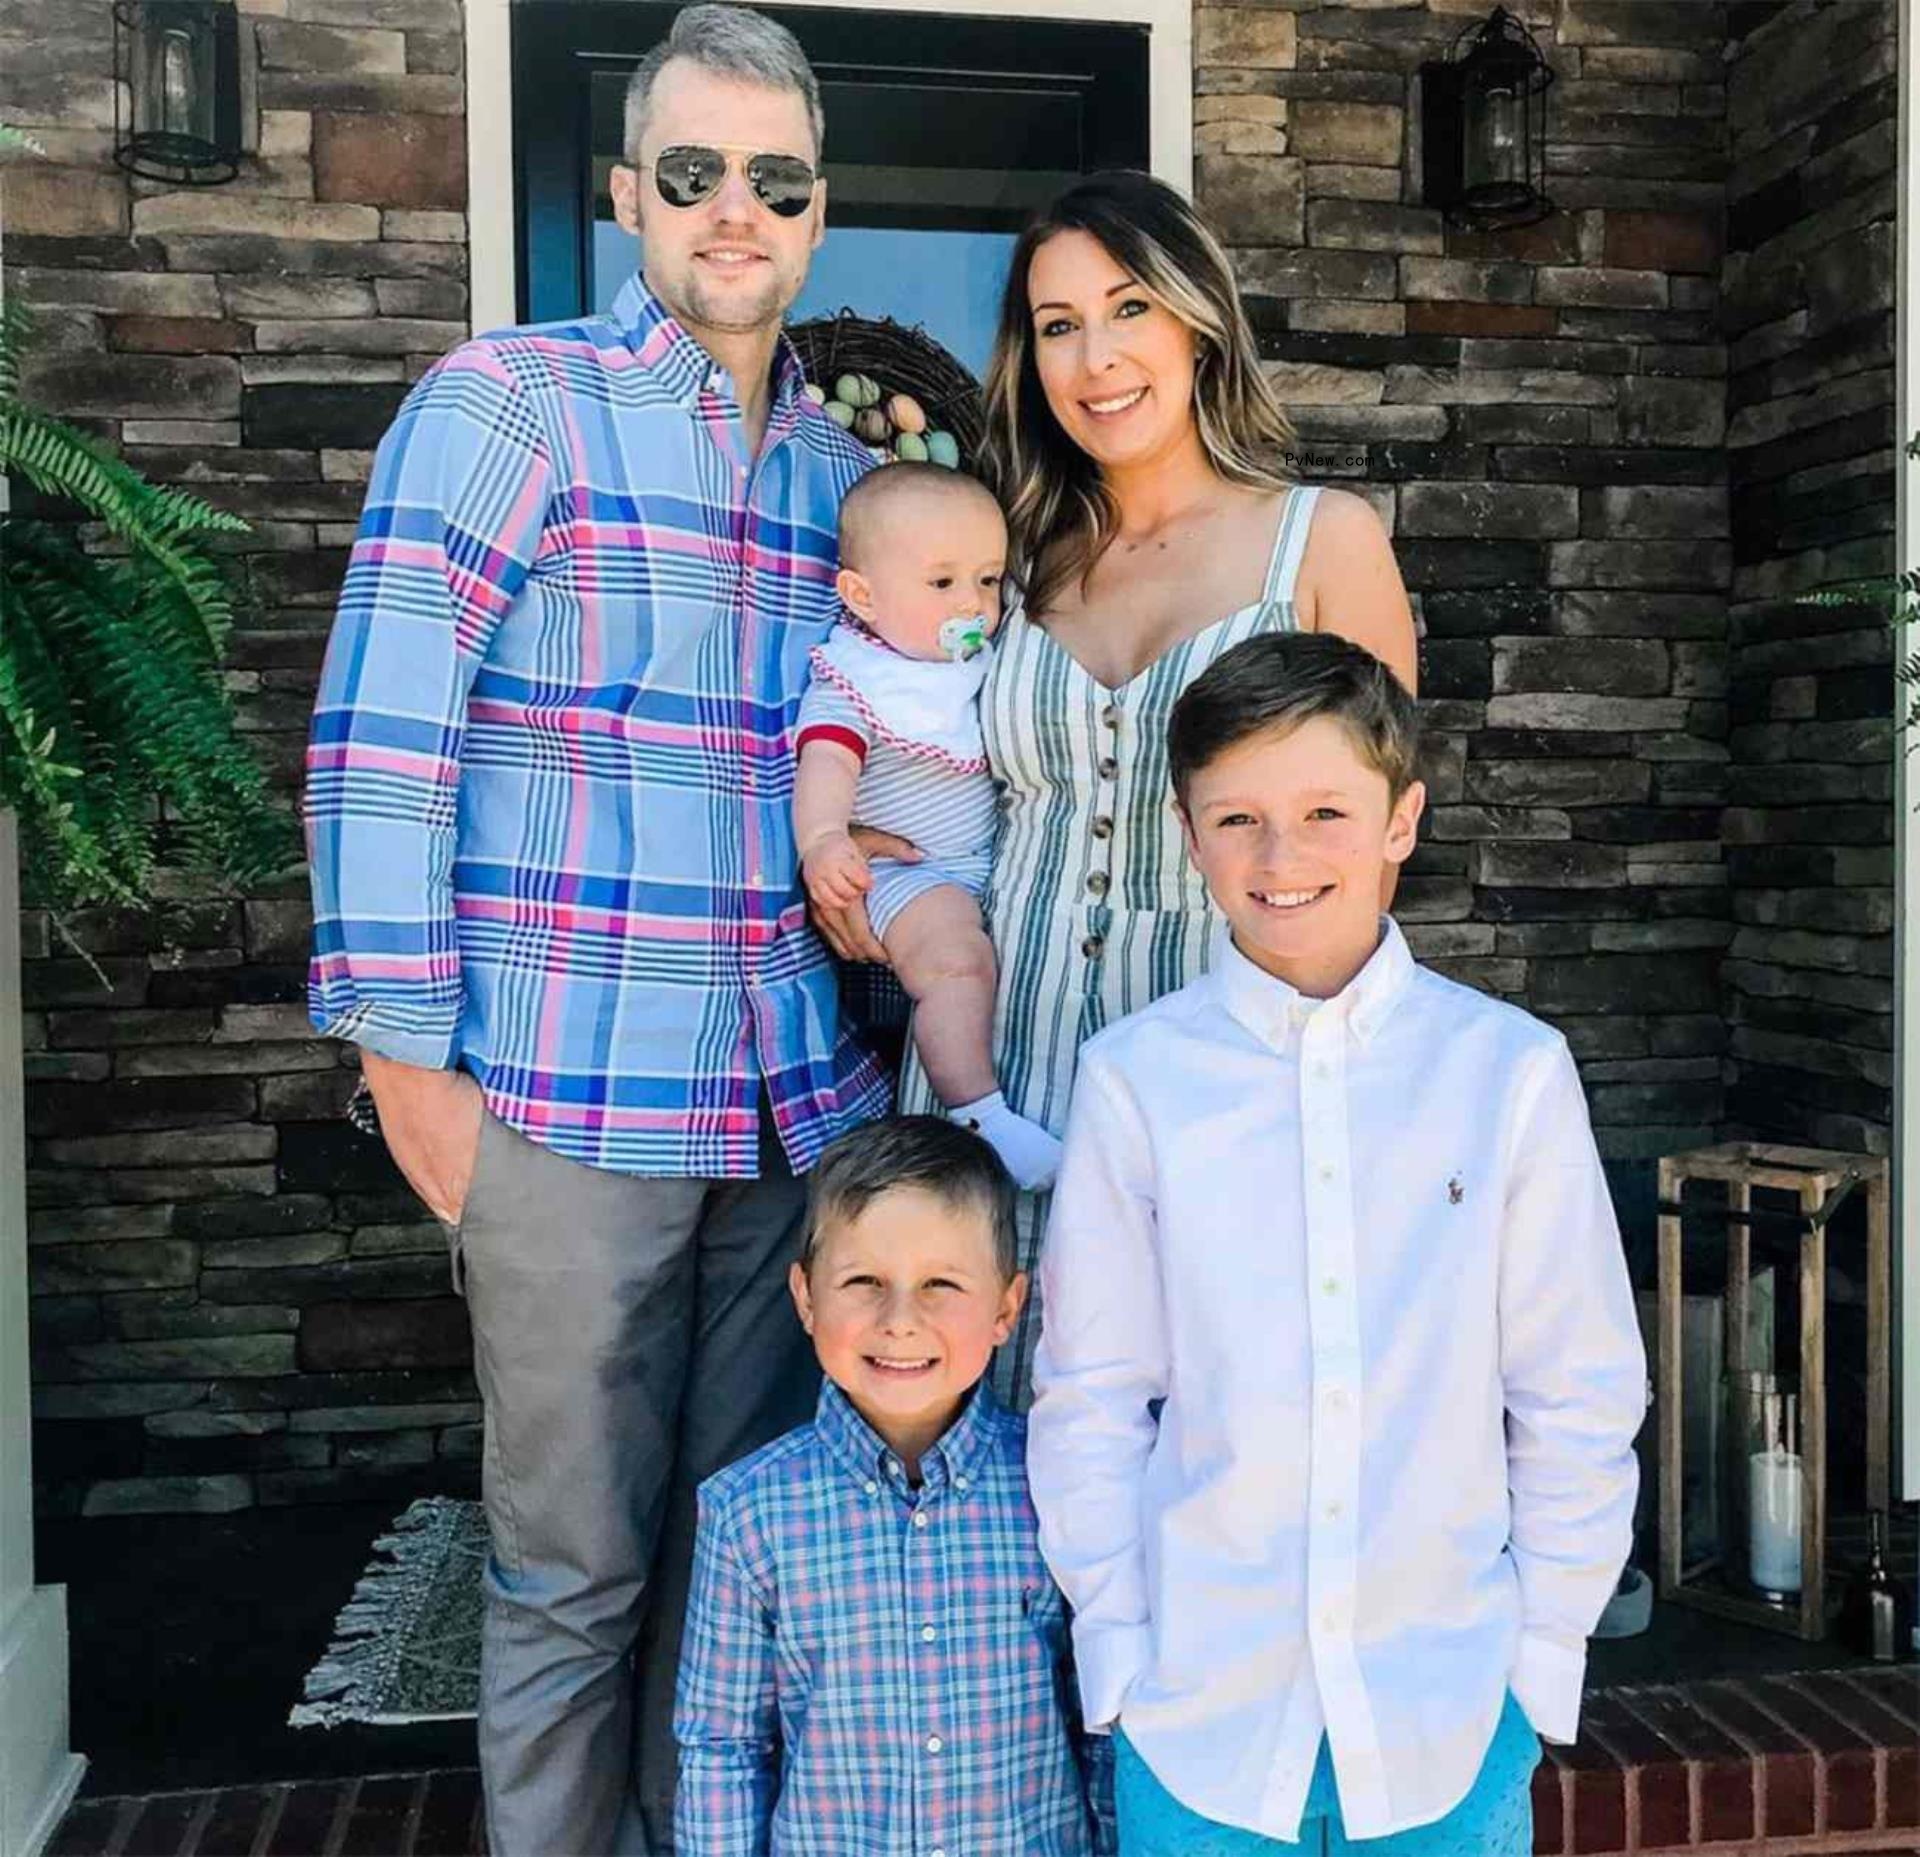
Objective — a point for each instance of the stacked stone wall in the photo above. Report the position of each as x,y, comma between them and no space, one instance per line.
1812,190
235,1299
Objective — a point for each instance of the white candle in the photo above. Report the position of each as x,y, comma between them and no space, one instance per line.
1773,1528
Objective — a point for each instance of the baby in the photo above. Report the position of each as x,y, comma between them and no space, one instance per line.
890,735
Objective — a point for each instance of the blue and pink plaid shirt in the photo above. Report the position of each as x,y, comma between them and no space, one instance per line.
872,1669
549,780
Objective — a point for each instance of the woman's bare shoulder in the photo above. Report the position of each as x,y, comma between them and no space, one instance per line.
1350,583
1344,517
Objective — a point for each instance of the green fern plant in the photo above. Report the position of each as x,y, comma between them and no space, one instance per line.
1898,595
117,739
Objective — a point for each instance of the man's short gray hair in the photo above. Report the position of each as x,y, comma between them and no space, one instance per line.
731,41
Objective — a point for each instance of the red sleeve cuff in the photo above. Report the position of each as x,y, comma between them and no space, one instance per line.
834,732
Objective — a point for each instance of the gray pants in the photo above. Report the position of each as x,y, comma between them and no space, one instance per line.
631,1336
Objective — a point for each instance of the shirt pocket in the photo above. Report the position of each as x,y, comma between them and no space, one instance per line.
1042,1662
1044,1608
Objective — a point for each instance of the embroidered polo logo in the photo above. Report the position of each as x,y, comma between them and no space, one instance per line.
1455,1191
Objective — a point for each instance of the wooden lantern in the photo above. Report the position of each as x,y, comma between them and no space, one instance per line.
1818,1181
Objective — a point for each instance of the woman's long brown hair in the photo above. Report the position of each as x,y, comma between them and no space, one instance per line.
1060,514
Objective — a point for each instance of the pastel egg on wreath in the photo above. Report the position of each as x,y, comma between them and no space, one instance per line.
839,412
911,447
907,414
815,392
871,424
943,448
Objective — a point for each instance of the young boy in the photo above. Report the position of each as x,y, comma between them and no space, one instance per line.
890,735
1339,1372
875,1657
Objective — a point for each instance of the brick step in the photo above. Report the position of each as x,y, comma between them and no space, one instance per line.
1816,1761
382,1815
1780,1766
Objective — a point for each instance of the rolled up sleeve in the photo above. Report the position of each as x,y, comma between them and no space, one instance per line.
447,538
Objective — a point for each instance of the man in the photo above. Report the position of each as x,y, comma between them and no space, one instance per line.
556,901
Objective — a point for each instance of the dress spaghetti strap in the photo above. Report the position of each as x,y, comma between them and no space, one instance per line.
1290,545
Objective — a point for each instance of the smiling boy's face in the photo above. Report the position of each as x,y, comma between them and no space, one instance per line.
1293,832
906,1304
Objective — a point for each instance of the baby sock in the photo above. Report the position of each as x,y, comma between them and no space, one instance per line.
1031,1154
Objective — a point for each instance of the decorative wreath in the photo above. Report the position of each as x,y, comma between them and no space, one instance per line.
888,384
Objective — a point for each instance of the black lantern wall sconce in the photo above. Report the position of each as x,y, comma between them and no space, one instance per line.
176,111
1484,126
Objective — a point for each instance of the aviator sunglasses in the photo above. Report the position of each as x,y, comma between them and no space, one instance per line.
692,172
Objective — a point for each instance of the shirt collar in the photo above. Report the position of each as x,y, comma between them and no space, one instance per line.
1276,1013
678,360
864,1454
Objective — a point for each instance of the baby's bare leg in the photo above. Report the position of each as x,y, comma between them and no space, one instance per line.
945,961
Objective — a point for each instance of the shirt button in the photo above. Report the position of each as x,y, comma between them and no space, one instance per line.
1110,716
1336,1401
1326,1170
1097,882
919,1518
1092,946
927,1634
1331,1618
1320,1067
1331,1286
1103,827
1108,767
934,1744
873,1488
961,1483
1332,1511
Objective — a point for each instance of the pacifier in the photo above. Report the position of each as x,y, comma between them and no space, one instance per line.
963,638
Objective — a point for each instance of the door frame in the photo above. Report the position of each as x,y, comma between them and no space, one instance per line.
492,205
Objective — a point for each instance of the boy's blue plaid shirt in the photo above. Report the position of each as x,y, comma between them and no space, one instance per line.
873,1668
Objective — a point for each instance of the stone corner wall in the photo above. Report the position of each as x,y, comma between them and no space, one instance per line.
1812,107
235,1299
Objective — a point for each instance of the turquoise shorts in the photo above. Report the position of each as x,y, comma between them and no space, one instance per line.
1495,1819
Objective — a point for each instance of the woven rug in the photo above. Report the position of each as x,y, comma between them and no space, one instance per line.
406,1648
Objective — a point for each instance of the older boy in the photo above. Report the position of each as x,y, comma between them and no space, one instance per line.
876,1659
1339,1374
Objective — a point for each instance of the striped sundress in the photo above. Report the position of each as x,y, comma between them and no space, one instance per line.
1093,907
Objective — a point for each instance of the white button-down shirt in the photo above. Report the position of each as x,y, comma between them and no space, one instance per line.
1337,1383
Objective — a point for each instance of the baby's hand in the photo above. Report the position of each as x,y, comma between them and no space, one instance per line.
835,872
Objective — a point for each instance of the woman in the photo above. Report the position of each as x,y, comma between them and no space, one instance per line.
1128,426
